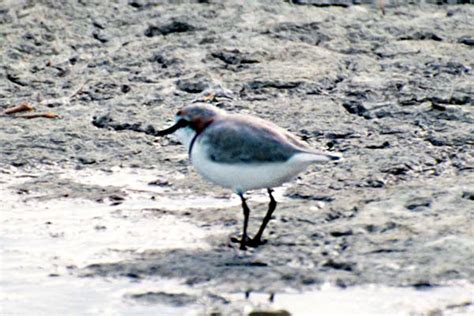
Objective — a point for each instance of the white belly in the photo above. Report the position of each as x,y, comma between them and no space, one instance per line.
243,177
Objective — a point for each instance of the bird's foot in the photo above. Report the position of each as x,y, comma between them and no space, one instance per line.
250,242
255,242
239,241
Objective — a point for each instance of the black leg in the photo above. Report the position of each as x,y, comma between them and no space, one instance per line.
257,240
246,210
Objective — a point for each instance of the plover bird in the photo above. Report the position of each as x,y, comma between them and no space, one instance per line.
242,153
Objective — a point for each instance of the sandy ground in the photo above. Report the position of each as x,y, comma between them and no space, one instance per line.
98,216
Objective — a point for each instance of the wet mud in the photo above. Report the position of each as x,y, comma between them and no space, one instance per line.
92,197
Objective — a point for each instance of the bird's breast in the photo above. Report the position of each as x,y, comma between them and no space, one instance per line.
185,136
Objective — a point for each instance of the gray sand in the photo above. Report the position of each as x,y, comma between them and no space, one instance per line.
394,93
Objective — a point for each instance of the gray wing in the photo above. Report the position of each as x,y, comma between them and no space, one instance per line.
240,140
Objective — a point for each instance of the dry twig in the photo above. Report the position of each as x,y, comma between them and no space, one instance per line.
49,115
23,107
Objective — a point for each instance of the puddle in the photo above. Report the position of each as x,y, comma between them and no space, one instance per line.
41,240
67,295
451,299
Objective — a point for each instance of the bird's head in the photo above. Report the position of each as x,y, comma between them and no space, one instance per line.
191,120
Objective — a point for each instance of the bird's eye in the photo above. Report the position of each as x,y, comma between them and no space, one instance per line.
179,113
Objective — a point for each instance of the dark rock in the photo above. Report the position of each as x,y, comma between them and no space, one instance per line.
62,72
333,216
98,24
163,60
87,161
435,141
116,197
337,233
382,113
341,135
384,250
374,183
135,4
305,32
468,195
324,3
422,35
356,107
164,298
159,182
371,228
169,28
24,191
418,204
345,266
140,4
53,104
276,84
311,197
466,40
100,36
269,313
423,285
341,284
436,68
388,227
234,57
195,84
16,80
437,106
101,121
397,169
152,31
385,144
246,264
18,163
133,275
125,88
455,100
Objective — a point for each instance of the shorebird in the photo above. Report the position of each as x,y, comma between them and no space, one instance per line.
243,153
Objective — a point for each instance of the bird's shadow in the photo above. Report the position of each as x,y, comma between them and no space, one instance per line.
232,270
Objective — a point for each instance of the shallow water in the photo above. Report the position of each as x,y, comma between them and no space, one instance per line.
42,240
369,300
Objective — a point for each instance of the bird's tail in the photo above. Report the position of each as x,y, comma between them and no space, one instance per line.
319,156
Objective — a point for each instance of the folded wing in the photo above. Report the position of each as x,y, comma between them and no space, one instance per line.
242,140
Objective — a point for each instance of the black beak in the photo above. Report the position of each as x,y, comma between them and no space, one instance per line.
174,128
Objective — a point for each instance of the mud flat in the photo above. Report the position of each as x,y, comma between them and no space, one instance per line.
98,216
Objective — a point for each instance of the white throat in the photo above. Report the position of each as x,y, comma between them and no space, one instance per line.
185,136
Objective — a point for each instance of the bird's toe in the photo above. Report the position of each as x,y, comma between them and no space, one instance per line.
254,243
